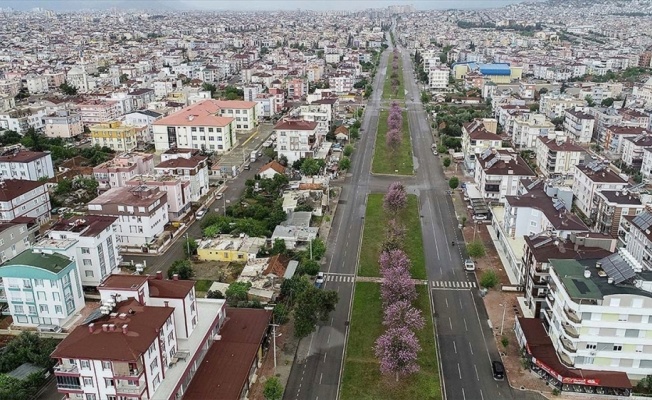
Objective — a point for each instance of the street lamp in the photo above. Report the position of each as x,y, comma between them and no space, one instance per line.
502,323
225,203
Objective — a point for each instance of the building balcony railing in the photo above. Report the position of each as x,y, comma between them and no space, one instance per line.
571,331
568,345
68,386
571,315
122,388
66,369
566,360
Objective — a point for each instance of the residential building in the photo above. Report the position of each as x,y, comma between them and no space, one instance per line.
244,113
540,249
557,155
124,167
199,126
527,128
646,164
42,287
36,84
149,340
579,125
230,249
22,119
22,198
296,139
478,136
612,206
114,135
26,165
634,235
591,178
189,166
15,238
177,189
63,124
269,170
141,212
498,172
555,105
341,82
93,246
143,119
438,77
598,315
615,136
98,112
633,149
318,112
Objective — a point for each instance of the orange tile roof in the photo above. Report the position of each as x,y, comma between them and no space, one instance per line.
275,165
203,113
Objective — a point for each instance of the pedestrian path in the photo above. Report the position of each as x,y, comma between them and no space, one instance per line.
339,278
453,285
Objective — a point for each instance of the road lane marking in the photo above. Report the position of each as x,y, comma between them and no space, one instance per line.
463,395
461,305
481,395
476,372
446,298
465,327
459,370
432,224
471,348
329,339
450,322
455,347
325,357
322,375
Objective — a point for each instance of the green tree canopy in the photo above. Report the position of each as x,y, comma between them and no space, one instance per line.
311,166
313,305
237,292
273,389
454,182
181,267
476,249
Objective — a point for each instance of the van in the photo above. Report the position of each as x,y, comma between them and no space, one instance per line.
498,370
49,328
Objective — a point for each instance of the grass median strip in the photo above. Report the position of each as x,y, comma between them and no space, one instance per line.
374,231
387,161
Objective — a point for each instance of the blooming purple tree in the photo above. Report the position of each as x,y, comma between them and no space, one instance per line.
396,197
394,236
393,140
401,313
394,259
397,351
397,286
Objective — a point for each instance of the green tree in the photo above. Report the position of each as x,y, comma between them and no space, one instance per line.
534,107
310,267
64,186
183,268
446,162
68,89
273,389
589,100
237,292
476,249
214,294
608,102
10,137
190,246
209,87
281,312
311,166
348,150
293,287
279,247
34,140
318,249
345,163
454,182
124,78
489,279
425,97
313,305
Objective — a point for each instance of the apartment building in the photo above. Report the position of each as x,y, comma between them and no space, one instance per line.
478,136
26,165
599,315
527,128
42,287
229,249
93,245
634,235
540,249
615,136
244,113
63,124
10,87
579,125
177,189
124,167
296,139
15,238
141,212
199,126
22,198
612,206
36,84
148,340
557,155
318,111
591,178
498,172
438,78
187,165
555,105
143,119
98,112
341,82
114,135
633,149
22,119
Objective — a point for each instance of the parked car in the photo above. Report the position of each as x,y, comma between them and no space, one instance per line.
200,214
319,280
247,167
469,265
479,217
498,370
219,196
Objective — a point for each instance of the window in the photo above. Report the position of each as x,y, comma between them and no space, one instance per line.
19,309
32,309
618,347
623,317
85,364
153,365
41,296
85,250
38,282
43,308
170,337
58,310
108,382
88,381
210,130
211,138
27,283
193,129
89,274
87,262
91,396
106,364
157,381
591,346
201,129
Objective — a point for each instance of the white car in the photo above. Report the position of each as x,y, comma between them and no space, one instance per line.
469,265
319,281
200,214
479,217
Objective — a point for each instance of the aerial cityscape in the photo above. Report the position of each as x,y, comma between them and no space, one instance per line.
325,200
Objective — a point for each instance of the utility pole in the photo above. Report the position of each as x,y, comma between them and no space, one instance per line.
503,321
274,343
311,249
188,244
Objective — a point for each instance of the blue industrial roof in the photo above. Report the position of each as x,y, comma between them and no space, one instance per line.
495,69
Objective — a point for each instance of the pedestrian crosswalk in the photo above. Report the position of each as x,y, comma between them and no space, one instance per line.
339,278
459,285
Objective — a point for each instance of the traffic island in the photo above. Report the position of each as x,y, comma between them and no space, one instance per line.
388,161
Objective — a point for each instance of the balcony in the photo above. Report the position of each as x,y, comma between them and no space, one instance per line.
566,360
572,316
66,369
571,331
123,388
568,345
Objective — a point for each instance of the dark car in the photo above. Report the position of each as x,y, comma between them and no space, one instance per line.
498,369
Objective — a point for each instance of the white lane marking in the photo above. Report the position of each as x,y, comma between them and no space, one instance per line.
329,340
463,395
459,370
470,347
446,299
455,347
450,323
465,327
322,375
325,357
476,372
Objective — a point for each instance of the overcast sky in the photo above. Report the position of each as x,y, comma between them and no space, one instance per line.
248,5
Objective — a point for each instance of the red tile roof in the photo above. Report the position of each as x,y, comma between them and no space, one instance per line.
122,281
296,125
12,188
204,113
170,289
23,156
182,162
142,324
224,371
88,225
275,165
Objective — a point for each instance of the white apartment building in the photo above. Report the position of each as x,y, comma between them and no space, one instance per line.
557,155
20,120
187,165
93,246
147,342
98,112
555,105
37,84
498,172
63,124
244,113
42,287
141,212
143,119
636,239
115,173
579,125
589,179
341,83
438,77
22,198
26,165
319,113
296,139
478,136
198,126
599,316
527,128
633,149
177,189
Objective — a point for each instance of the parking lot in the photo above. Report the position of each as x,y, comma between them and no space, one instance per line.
247,143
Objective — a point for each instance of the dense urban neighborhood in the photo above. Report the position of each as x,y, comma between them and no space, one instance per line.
380,203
